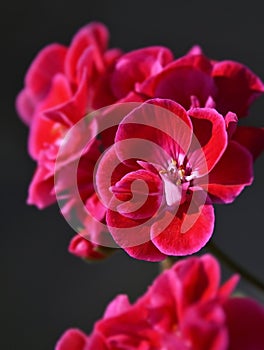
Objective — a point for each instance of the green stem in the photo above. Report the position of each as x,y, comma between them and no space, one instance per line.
168,262
235,266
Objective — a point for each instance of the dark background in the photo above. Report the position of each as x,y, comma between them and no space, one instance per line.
44,289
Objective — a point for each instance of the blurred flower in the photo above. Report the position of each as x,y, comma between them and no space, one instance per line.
83,248
185,308
59,90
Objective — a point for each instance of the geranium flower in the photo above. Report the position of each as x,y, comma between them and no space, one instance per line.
193,80
228,85
185,308
64,83
179,164
59,90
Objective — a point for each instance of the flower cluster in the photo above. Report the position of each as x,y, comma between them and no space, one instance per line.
136,148
185,308
207,157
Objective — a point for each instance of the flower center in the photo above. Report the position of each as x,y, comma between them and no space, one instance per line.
176,179
176,173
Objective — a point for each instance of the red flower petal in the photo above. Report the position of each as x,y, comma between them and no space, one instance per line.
183,78
187,232
141,192
41,189
252,138
146,251
163,122
83,248
48,62
133,236
200,279
117,306
74,108
94,35
136,66
210,131
25,106
237,87
232,173
72,339
204,327
245,323
44,131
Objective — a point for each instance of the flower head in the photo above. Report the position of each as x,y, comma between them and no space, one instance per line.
172,164
63,84
184,309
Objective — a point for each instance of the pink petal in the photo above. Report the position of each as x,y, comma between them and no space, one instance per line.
228,287
117,306
38,80
232,173
95,35
44,131
133,236
74,108
111,166
83,248
41,189
72,339
128,330
95,207
183,78
204,326
48,62
231,124
141,193
195,50
200,279
245,322
237,87
171,240
210,132
252,138
146,251
134,67
103,94
155,132
25,106
173,192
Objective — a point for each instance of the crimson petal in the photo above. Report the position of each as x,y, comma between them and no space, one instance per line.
245,323
172,241
232,173
252,138
134,67
210,132
155,132
237,87
183,78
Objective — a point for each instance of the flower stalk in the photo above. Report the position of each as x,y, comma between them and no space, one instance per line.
231,264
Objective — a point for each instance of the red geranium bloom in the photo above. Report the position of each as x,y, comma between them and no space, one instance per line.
64,83
193,81
185,308
230,85
59,90
61,86
194,165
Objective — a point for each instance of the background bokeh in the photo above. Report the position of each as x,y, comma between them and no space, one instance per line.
44,289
